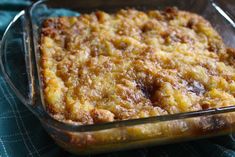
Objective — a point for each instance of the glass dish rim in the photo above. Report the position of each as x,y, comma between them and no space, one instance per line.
45,117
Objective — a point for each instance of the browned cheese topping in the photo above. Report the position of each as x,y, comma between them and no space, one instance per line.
102,67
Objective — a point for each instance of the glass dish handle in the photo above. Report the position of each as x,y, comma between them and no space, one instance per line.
15,59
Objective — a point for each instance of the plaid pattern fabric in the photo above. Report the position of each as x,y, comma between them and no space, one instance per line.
21,134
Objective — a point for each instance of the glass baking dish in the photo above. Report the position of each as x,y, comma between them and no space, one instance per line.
20,65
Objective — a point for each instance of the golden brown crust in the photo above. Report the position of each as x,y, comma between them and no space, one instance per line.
103,67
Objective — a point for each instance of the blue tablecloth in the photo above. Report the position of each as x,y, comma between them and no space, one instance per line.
21,134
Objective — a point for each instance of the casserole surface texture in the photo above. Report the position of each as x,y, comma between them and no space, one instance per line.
102,67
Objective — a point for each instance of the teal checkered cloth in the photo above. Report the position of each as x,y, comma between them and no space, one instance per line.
21,134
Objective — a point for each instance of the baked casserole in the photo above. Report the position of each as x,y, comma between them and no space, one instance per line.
132,64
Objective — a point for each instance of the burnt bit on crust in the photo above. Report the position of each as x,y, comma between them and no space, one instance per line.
229,57
148,26
49,27
170,12
231,52
191,23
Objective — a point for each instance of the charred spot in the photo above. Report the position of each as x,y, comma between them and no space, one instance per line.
229,58
170,13
231,55
94,51
148,26
100,16
191,23
66,44
205,106
171,10
231,52
214,47
149,91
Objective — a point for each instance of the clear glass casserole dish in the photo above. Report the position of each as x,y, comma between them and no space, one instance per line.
20,65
